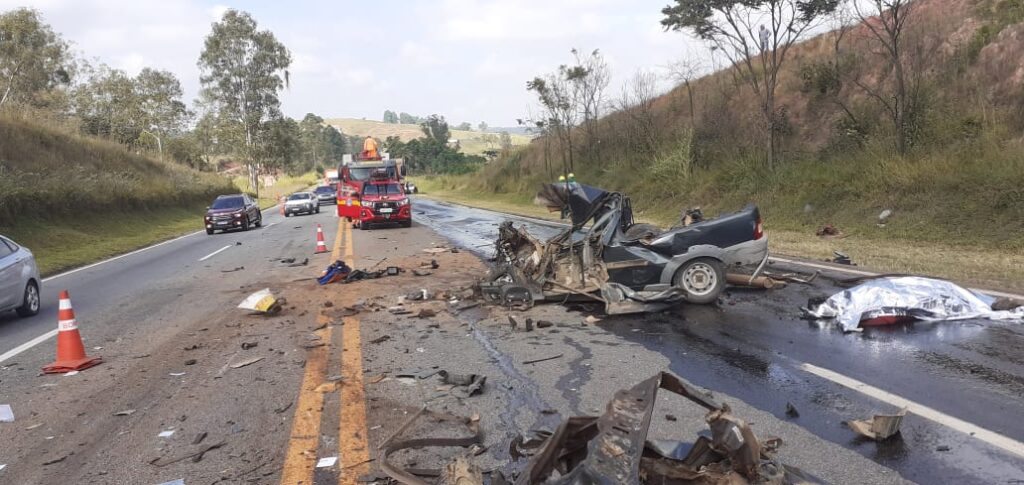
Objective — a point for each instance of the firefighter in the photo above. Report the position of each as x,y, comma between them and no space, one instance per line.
369,148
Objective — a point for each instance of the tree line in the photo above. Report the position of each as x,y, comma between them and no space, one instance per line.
237,116
434,152
404,118
754,38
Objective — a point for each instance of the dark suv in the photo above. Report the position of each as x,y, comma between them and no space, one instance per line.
237,211
325,194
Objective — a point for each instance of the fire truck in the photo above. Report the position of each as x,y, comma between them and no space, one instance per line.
371,191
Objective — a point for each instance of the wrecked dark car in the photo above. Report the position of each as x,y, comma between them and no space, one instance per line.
605,256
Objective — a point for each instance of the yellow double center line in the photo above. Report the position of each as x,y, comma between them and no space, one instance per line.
354,452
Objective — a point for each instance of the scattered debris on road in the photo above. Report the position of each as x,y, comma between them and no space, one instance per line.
762,281
465,385
337,271
613,447
534,361
246,362
411,476
263,302
841,258
880,427
326,462
890,300
126,412
6,413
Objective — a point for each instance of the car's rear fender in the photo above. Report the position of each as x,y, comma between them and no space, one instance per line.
701,251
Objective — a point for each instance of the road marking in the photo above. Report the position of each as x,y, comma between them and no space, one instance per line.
115,258
990,437
208,256
353,439
304,441
28,345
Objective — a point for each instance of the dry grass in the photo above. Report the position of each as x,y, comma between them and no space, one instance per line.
472,142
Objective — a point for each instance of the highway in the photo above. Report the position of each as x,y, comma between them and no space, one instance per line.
164,320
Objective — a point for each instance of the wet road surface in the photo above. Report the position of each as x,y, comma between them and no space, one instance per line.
755,346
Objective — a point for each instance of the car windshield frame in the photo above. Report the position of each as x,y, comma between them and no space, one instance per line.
221,203
387,189
325,190
362,174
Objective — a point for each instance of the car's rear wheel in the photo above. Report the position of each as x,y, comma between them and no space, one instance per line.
259,221
209,232
30,302
318,209
702,280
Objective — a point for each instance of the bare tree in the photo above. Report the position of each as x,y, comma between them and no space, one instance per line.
557,94
636,112
683,71
886,21
731,27
590,77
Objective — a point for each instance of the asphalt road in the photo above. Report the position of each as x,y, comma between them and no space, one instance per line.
966,378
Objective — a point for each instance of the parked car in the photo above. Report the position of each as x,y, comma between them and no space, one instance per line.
301,202
236,211
325,194
631,267
19,279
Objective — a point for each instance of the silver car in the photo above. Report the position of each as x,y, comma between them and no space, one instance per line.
19,279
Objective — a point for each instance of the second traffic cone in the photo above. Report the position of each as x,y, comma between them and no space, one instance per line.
321,247
70,351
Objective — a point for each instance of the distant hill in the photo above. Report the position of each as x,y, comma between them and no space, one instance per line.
472,142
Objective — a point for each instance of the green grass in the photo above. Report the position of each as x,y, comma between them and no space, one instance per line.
61,244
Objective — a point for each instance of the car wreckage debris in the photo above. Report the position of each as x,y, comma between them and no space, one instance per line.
613,448
880,427
606,257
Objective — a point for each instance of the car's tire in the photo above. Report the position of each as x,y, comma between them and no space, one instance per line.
702,280
364,226
259,221
318,209
245,224
287,214
30,302
406,223
209,232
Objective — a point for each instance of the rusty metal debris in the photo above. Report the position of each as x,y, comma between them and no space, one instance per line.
880,427
411,476
752,281
613,448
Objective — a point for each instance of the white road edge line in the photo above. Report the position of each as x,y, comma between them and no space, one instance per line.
28,345
208,256
115,258
46,336
990,437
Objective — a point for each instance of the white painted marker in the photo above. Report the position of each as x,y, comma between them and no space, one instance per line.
208,256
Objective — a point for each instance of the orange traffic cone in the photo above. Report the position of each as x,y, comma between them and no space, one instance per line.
70,351
321,247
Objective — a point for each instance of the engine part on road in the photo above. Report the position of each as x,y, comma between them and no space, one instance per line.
613,448
410,476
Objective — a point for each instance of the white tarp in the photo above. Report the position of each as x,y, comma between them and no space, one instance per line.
922,298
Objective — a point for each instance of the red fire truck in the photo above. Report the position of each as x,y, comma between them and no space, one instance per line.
371,192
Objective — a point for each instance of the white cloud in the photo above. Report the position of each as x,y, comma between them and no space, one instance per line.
418,54
216,12
520,19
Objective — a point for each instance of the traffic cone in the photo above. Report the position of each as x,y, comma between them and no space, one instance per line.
70,351
321,247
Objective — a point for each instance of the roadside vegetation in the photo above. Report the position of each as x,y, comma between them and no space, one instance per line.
94,161
948,163
480,140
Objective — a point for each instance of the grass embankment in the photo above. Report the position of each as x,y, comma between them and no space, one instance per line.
951,219
73,199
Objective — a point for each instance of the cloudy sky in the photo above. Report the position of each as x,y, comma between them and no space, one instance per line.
466,59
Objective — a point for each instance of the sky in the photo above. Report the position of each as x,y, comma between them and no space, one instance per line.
468,60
